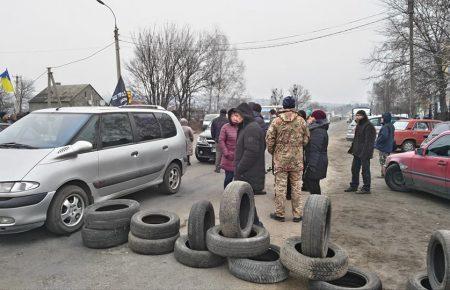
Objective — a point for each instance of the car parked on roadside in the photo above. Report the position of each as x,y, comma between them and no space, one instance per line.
58,161
438,129
205,149
410,133
425,169
376,122
208,119
3,126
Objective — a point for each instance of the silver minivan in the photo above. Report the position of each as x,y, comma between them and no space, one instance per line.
55,162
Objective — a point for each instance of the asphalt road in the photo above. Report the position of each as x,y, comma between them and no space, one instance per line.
385,232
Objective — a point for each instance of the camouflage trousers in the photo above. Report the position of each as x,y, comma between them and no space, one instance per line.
281,181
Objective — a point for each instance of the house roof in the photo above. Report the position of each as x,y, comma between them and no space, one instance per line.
65,92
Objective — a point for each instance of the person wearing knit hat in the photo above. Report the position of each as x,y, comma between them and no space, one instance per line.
362,150
316,152
287,135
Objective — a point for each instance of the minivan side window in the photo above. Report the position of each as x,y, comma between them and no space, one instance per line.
116,130
89,132
147,127
440,147
168,127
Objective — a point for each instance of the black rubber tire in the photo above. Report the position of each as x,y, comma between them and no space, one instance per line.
438,260
392,178
165,186
152,247
316,226
355,279
418,282
333,267
256,244
110,214
237,210
408,145
201,219
102,239
195,259
154,224
54,222
262,269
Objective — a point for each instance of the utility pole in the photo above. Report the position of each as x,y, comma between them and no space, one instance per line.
412,88
17,103
51,88
116,39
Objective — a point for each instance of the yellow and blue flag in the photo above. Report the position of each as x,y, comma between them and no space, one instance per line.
5,82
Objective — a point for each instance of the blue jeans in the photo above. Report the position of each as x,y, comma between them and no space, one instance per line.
229,175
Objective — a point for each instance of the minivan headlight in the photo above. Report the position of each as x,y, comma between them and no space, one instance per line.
6,187
202,139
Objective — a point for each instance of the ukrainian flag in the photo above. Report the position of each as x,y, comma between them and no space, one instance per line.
5,82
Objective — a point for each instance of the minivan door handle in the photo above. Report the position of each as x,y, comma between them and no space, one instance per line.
165,147
134,154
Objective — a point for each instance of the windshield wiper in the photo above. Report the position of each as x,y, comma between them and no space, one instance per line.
16,145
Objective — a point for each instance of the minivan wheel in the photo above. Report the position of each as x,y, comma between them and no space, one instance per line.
172,179
66,211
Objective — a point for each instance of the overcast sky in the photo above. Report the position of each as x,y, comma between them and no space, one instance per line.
52,32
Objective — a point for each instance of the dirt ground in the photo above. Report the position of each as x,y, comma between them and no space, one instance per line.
385,232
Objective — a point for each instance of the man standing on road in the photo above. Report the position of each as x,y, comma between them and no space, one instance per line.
249,154
362,151
258,116
285,139
385,141
216,126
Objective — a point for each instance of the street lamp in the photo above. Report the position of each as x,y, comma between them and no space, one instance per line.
116,38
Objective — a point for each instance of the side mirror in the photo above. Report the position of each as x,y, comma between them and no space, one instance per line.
74,149
420,151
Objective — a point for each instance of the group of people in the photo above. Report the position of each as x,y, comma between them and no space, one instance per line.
11,118
298,143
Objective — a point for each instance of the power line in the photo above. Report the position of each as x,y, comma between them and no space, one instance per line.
311,32
49,50
84,58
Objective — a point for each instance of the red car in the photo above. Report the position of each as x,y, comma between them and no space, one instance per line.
425,169
409,134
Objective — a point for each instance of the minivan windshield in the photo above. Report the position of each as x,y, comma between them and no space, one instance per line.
43,130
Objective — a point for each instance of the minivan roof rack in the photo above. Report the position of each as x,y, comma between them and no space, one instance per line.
155,107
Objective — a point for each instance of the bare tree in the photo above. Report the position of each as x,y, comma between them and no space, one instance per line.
6,101
431,40
301,95
24,93
276,97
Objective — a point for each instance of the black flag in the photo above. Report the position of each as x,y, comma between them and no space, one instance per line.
119,97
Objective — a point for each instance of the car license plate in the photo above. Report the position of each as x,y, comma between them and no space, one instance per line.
213,149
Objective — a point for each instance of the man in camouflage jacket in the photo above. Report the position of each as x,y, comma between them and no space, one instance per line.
287,135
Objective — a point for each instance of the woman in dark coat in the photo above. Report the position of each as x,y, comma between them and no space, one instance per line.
316,154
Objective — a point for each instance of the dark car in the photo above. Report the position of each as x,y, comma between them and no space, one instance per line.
205,149
3,126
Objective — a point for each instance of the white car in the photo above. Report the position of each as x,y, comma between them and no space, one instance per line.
208,119
376,122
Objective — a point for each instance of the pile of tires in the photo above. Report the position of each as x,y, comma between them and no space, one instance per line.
190,249
250,255
312,256
153,232
437,276
107,223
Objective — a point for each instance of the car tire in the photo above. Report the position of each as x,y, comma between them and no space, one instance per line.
201,219
333,267
237,210
418,281
110,214
438,260
151,247
408,145
102,239
394,178
256,244
77,200
354,279
154,224
262,269
172,179
185,255
316,226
